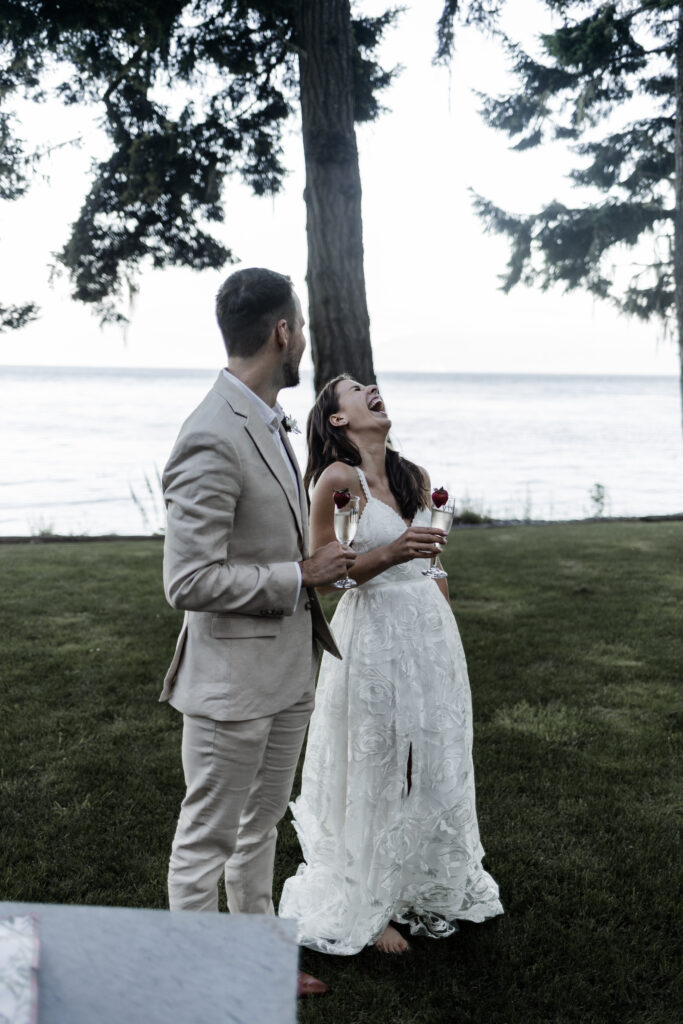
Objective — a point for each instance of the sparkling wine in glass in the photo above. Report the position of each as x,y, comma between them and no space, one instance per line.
442,519
345,526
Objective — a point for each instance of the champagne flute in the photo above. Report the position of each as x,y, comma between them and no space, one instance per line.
442,519
345,526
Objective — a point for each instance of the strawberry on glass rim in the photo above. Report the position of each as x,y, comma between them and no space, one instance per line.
341,498
439,496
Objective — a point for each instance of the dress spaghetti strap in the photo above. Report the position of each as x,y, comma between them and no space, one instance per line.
363,483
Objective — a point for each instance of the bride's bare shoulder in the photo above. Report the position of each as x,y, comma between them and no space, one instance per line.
337,476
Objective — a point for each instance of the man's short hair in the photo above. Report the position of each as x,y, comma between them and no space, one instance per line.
249,304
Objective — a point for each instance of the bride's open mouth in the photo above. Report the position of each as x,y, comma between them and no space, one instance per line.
377,405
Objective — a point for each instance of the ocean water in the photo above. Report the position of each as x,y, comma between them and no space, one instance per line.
77,444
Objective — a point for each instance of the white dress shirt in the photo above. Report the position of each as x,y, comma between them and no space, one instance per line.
272,417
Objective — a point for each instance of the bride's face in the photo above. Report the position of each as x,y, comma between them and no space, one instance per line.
360,408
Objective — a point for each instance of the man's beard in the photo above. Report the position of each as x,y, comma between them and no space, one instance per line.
290,373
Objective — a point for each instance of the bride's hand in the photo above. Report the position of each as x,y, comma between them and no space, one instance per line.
417,542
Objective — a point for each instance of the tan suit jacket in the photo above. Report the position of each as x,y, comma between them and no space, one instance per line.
235,526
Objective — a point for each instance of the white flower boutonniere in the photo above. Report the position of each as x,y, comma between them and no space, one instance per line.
290,425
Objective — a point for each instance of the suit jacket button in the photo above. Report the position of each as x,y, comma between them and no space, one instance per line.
308,606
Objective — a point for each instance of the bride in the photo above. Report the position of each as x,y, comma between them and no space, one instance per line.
386,817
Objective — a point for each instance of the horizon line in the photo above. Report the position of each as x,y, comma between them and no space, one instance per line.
309,371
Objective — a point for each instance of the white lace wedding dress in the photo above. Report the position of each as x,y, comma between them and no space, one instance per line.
382,841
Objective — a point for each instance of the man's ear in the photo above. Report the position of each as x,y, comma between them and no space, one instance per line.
282,333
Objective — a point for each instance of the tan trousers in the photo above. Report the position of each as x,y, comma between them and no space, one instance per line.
239,778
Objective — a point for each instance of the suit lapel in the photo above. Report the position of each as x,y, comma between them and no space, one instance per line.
303,496
267,448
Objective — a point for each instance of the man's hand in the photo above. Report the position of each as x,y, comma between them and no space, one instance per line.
328,564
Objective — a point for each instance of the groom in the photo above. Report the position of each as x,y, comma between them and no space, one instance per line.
236,560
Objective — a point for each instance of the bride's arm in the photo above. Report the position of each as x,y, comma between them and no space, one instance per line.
415,542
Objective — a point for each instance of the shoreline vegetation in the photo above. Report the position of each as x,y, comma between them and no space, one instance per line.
574,649
468,523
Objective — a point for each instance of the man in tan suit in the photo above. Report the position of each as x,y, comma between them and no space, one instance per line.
236,560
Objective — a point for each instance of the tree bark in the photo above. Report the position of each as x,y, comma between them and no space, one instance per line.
678,186
339,324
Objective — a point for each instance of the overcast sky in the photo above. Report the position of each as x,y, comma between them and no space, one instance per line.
432,273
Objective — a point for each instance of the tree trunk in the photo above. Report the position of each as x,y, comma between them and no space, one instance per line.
339,325
678,186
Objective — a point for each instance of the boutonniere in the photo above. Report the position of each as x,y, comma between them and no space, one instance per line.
290,425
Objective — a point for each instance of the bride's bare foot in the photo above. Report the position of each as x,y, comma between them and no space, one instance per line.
391,941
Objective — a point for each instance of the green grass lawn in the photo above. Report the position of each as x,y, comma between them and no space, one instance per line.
574,641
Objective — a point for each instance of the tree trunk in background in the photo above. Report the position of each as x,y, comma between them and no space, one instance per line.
339,325
678,186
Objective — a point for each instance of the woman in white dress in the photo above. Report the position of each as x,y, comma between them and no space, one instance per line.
386,817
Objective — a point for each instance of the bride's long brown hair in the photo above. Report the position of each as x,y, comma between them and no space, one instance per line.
328,444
